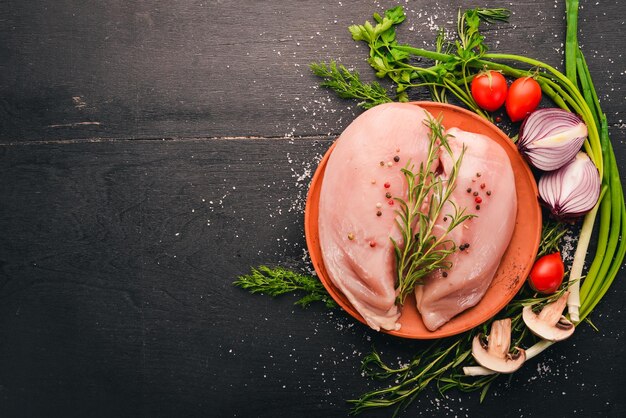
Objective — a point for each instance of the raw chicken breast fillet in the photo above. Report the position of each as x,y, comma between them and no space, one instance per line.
485,186
357,211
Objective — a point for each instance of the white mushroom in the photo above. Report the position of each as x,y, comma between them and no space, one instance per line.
549,324
494,354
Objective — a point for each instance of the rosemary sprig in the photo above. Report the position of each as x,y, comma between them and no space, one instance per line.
413,378
422,251
442,363
348,85
551,236
278,280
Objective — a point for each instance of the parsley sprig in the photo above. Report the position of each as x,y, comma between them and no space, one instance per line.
442,363
449,72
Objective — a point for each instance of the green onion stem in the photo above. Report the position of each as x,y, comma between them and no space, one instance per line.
602,256
618,223
549,91
603,234
587,77
563,94
573,300
610,250
571,39
586,87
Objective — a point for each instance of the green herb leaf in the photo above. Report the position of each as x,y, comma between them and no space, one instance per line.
348,85
278,280
551,235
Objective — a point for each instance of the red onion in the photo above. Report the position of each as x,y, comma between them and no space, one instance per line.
550,137
573,189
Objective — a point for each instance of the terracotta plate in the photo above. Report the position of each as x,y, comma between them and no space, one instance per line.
517,259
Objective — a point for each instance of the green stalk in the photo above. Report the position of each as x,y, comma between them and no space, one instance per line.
546,87
604,252
576,106
571,39
603,236
618,223
462,96
573,300
587,76
435,56
610,250
586,87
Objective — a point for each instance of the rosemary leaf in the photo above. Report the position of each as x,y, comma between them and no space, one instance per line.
423,252
483,393
551,236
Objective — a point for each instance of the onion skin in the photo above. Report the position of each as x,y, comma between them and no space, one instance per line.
572,190
549,138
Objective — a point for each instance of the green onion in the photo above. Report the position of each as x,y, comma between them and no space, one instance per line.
571,39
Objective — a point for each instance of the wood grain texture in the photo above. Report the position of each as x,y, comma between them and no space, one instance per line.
119,249
119,69
117,263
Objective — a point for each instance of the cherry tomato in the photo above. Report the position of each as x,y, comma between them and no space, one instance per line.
547,274
489,90
524,97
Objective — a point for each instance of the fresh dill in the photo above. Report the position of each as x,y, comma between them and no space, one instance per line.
279,280
348,85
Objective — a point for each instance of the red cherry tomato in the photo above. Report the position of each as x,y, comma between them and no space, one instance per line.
489,90
547,274
524,97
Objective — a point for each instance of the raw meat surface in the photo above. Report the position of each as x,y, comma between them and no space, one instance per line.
487,171
356,216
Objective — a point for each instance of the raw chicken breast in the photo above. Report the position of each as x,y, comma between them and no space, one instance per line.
485,187
356,209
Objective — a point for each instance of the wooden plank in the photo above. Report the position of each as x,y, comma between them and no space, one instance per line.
118,253
116,266
118,69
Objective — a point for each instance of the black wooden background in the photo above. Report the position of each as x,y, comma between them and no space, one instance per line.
152,151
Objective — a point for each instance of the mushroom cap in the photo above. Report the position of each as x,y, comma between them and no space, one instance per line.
506,363
548,330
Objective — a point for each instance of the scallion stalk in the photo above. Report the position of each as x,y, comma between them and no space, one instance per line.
571,39
573,300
